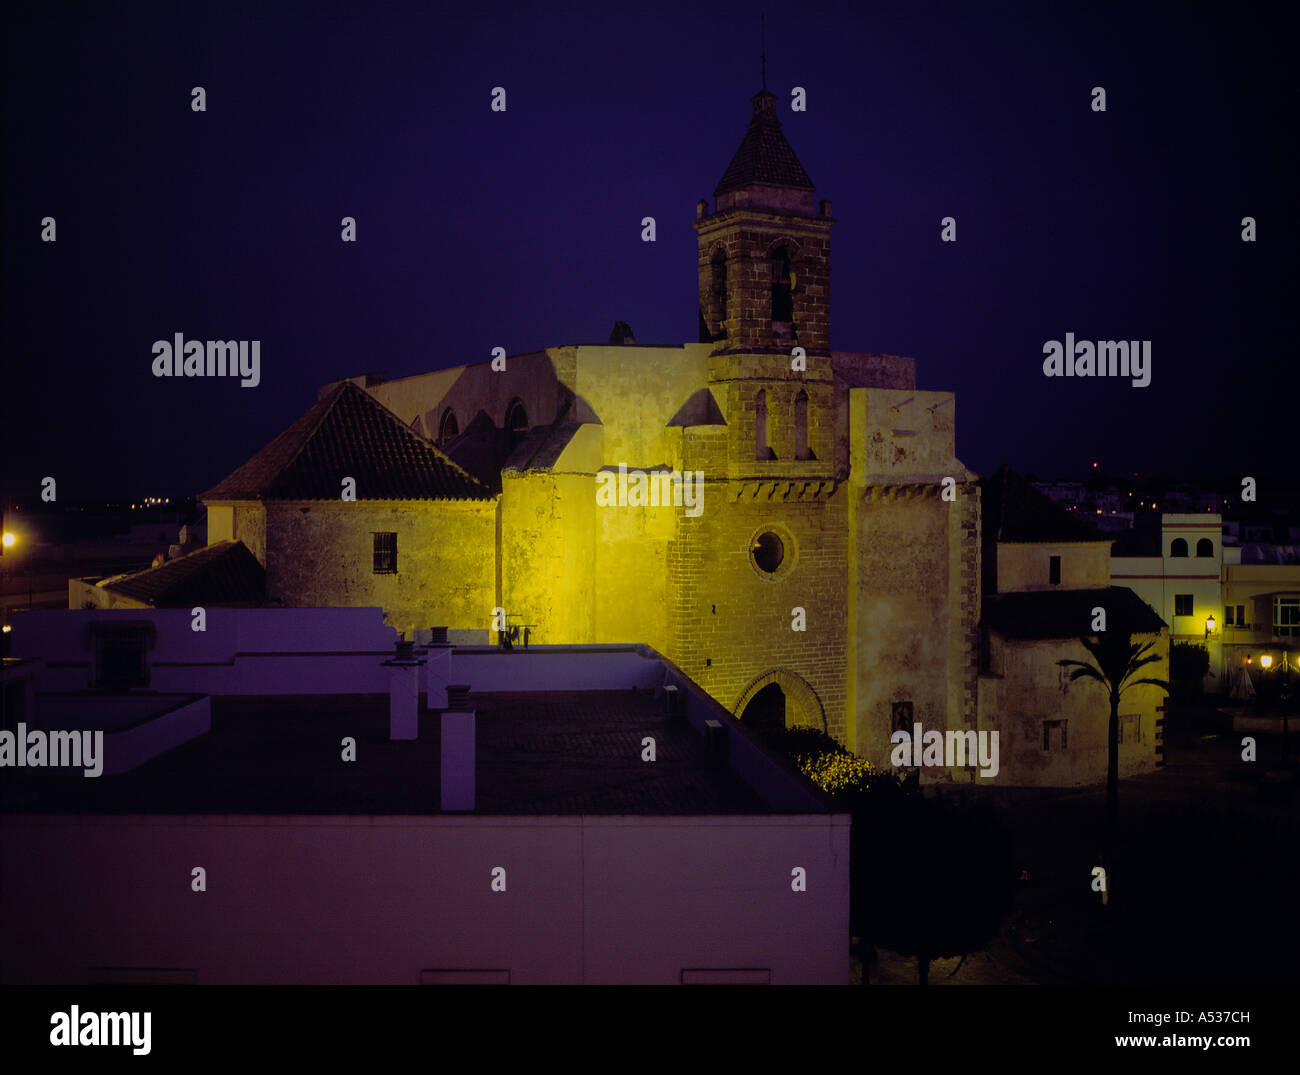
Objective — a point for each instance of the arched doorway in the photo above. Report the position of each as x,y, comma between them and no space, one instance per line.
799,705
765,711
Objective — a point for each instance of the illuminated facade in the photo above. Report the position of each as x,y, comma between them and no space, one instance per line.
829,576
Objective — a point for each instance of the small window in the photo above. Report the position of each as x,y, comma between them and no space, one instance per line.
762,450
1241,616
448,428
1205,547
719,291
1054,570
801,449
1178,547
1054,739
768,552
120,661
385,554
516,424
1286,616
1227,615
1182,604
1130,728
782,286
901,717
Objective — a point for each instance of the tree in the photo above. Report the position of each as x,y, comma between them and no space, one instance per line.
1117,660
932,877
1188,665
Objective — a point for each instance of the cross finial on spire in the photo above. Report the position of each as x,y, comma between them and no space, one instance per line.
762,36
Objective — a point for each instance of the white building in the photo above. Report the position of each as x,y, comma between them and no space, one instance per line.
1180,575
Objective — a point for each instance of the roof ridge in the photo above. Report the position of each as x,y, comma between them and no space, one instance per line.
178,559
423,441
330,401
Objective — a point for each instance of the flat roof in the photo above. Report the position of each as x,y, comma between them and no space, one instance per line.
551,752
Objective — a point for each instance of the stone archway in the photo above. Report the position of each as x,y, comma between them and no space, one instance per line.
803,709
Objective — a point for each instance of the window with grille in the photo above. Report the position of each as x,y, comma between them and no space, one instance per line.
1286,616
385,554
120,655
1054,739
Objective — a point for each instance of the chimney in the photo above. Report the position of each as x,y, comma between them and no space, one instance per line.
404,692
457,773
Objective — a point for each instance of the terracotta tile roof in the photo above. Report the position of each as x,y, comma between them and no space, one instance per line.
1068,613
222,574
764,156
349,434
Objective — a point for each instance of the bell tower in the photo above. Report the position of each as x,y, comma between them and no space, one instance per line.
764,253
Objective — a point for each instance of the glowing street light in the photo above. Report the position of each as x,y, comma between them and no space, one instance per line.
10,539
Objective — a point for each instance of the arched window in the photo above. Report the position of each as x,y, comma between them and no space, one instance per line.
762,450
782,286
718,286
1205,547
801,450
1178,547
516,424
448,428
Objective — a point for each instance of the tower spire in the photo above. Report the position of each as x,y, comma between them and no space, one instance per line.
762,37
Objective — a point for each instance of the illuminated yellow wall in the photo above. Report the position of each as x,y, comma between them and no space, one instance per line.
221,523
1024,689
1024,566
321,553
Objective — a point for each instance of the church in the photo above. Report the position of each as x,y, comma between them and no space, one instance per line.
826,573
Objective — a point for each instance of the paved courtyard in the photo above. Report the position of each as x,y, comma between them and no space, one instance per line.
1211,861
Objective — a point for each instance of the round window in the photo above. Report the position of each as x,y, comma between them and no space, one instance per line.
768,552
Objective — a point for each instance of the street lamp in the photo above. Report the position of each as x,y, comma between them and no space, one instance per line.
8,539
1209,626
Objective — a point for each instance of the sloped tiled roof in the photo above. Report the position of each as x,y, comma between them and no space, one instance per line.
222,574
1042,614
349,434
764,155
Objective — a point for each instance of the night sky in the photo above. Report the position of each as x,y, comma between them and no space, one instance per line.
479,229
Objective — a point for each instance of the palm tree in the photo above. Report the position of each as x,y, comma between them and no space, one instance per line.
1117,658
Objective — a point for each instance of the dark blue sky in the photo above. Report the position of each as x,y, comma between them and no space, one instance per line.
478,229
